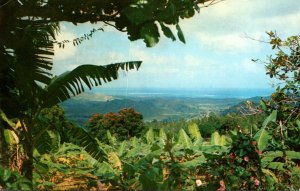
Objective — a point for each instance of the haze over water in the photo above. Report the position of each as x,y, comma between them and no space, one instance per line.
217,93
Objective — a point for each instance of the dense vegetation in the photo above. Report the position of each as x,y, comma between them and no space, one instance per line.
28,34
259,149
41,149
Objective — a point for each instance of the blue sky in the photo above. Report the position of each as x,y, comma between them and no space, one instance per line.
217,53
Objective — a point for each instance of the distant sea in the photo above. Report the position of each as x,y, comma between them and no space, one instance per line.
217,93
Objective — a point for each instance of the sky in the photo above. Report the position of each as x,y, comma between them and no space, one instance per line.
217,53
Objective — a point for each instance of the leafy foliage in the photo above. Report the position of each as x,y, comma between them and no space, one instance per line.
280,132
28,30
13,180
224,124
71,83
239,168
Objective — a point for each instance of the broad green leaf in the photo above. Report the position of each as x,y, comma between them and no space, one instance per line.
193,164
148,158
183,139
8,121
150,179
298,124
188,13
10,137
83,139
122,148
47,141
141,150
180,34
213,149
262,138
149,136
150,34
169,15
114,160
277,166
270,173
223,141
296,171
105,170
263,105
194,132
293,155
270,156
215,138
162,136
167,31
72,83
6,174
134,142
271,118
138,15
111,139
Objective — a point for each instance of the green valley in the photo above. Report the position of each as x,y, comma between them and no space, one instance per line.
152,108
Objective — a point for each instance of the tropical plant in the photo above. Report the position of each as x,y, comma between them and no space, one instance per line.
30,92
13,180
173,162
28,30
239,168
278,138
160,160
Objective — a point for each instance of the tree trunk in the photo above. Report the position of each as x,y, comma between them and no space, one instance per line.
27,165
3,147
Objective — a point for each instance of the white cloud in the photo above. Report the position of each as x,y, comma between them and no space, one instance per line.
223,26
281,23
150,57
226,43
217,52
112,57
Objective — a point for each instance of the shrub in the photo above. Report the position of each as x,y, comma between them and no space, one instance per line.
208,125
123,125
240,168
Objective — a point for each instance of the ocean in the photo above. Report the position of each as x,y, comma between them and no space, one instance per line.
217,93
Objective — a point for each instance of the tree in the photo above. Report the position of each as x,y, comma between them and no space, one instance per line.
123,125
139,18
28,29
284,66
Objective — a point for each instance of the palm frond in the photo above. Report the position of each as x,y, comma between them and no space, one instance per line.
81,138
73,83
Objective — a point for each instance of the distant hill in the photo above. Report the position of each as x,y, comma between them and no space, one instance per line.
89,96
159,108
238,108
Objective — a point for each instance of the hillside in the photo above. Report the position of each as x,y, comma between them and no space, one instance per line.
159,108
